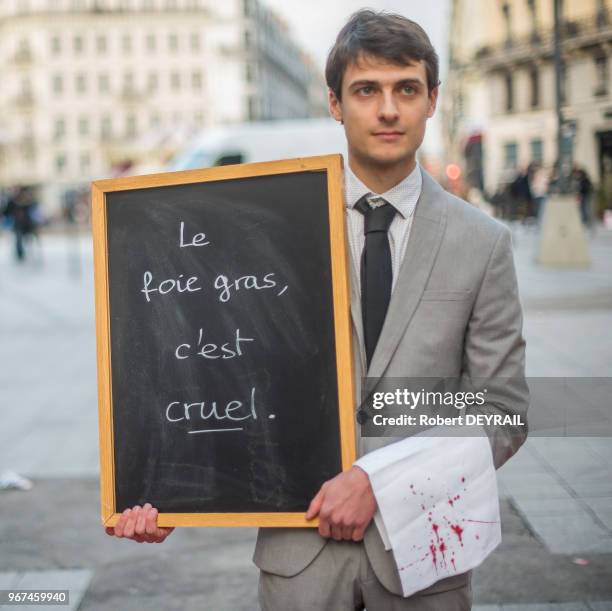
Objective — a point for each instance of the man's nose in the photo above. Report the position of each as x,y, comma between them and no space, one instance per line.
388,111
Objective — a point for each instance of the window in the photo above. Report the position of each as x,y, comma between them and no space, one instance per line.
58,83
130,126
106,127
152,82
537,150
60,162
78,44
175,80
126,43
151,42
155,120
60,128
103,83
195,41
196,80
83,126
128,82
101,44
509,91
252,108
249,73
173,42
534,79
602,75
56,45
510,155
80,83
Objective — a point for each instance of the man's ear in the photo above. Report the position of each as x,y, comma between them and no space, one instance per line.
433,101
335,106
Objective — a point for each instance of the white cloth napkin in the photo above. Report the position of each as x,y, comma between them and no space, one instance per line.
438,507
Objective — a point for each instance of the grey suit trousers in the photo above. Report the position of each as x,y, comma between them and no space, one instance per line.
342,579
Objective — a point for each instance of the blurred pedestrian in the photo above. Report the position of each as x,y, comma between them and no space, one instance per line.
584,187
21,212
539,183
521,194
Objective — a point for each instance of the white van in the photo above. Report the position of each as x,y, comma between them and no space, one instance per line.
261,141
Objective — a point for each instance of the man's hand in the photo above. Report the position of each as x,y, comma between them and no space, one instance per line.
140,525
345,506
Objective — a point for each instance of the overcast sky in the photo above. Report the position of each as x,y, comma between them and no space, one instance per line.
316,23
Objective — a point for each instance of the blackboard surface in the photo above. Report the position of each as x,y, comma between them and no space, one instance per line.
222,342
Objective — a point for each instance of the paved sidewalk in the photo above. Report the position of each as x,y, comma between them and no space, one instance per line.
556,493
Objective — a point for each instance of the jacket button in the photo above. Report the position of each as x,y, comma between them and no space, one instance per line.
362,416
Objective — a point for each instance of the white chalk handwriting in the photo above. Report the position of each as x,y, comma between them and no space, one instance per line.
212,350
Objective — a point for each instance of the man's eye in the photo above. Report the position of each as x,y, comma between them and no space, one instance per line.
409,89
366,90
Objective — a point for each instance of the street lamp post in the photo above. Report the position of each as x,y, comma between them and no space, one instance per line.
562,241
565,129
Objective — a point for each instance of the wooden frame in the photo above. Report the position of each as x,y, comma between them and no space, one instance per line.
332,164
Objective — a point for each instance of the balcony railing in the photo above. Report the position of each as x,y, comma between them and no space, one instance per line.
539,43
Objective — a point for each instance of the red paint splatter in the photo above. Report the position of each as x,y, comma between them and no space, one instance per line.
435,528
442,549
453,563
477,537
451,501
415,562
458,531
422,507
432,549
462,480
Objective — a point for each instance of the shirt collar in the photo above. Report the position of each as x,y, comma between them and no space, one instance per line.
403,196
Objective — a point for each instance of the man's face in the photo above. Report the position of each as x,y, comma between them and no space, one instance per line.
384,108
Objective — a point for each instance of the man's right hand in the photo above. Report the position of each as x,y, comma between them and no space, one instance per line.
139,524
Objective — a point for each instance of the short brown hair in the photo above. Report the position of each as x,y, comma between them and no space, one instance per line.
389,36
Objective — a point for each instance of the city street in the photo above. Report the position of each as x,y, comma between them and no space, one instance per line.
556,494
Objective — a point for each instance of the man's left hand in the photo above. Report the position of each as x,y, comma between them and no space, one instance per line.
345,505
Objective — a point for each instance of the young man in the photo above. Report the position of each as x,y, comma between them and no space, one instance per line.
433,294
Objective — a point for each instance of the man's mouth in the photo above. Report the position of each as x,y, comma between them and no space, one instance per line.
388,135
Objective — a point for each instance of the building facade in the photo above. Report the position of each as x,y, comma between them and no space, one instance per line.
85,83
500,93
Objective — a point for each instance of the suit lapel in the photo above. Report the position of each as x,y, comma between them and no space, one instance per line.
426,234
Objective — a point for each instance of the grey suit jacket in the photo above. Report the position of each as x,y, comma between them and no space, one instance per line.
454,311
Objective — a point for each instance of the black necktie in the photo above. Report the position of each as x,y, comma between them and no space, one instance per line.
376,271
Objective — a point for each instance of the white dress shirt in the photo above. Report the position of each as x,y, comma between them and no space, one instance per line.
403,197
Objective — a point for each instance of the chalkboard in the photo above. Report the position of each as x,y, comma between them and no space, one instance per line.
224,361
